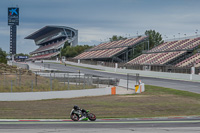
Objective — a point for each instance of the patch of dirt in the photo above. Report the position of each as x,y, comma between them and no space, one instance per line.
134,96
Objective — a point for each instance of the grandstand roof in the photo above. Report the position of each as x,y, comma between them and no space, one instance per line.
46,30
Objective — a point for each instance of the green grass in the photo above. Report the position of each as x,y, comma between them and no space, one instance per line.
154,102
162,90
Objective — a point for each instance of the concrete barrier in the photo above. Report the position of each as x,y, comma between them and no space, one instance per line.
164,75
27,96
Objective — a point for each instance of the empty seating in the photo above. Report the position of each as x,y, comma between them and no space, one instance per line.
106,53
177,45
156,58
44,56
190,61
107,50
48,47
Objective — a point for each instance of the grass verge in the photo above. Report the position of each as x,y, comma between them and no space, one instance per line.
28,83
154,102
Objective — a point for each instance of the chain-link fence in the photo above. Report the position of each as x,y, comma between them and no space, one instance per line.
52,81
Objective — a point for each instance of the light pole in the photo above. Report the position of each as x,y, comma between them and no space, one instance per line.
196,32
165,37
185,36
179,35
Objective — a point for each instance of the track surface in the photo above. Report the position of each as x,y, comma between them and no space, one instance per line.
99,124
106,126
175,84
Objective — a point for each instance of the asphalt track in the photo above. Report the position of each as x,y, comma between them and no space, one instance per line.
106,126
169,83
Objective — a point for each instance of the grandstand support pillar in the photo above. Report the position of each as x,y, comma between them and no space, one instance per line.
132,52
127,56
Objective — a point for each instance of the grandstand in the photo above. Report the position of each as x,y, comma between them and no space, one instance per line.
115,51
50,40
193,60
178,53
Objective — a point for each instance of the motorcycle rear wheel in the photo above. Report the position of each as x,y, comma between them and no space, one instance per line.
74,117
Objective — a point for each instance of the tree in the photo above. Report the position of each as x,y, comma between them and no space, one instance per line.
3,56
155,38
66,44
69,51
116,38
22,54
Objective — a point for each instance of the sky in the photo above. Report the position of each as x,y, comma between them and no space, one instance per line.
98,20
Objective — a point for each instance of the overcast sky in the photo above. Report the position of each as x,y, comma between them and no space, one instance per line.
98,20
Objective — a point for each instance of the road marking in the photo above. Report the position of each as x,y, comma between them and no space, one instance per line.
90,122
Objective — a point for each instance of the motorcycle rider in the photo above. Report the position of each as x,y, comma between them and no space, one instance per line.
82,110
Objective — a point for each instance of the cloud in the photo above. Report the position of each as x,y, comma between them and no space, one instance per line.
99,20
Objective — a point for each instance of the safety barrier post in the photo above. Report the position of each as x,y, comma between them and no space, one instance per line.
113,90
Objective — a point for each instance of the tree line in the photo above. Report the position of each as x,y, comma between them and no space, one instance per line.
69,51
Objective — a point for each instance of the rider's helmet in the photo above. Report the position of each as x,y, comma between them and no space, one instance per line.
76,107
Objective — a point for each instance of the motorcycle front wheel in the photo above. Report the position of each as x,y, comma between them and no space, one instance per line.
74,117
91,117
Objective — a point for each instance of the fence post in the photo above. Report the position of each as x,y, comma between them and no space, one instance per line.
19,78
84,82
108,81
137,78
68,81
91,79
11,86
76,79
16,79
4,80
36,79
88,82
98,81
51,83
64,80
79,72
127,80
32,86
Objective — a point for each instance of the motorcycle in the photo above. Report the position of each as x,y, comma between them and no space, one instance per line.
81,114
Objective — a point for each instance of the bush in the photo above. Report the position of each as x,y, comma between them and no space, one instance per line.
3,56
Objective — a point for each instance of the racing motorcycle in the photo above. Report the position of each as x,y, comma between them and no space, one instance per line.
81,114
